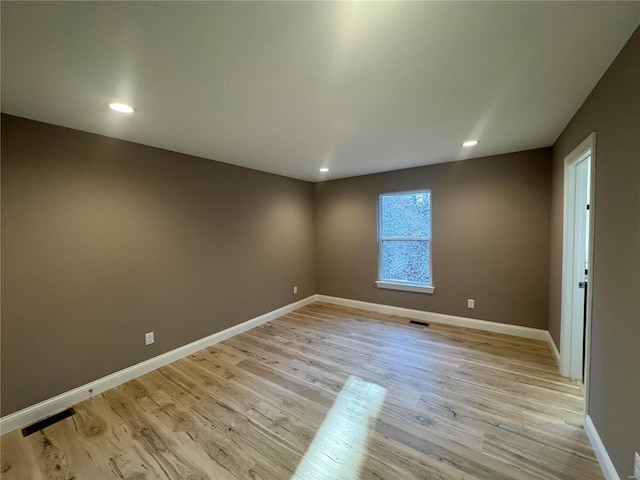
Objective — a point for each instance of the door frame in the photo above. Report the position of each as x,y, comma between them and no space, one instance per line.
571,161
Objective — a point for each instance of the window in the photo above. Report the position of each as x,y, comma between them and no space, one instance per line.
404,241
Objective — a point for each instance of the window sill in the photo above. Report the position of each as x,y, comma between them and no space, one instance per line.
408,287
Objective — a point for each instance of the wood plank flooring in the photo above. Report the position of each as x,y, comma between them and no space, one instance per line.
420,403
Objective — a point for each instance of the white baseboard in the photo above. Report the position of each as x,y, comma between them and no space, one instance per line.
515,330
553,348
606,464
53,405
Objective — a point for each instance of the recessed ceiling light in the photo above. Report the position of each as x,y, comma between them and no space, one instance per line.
470,143
323,169
120,107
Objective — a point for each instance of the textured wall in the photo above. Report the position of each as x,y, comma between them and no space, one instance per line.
612,110
104,240
490,237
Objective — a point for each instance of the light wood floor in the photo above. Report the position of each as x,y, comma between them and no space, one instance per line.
459,404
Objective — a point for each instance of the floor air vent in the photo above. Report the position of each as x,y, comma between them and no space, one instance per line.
423,324
47,422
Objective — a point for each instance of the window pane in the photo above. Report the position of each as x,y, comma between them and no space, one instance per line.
406,261
406,215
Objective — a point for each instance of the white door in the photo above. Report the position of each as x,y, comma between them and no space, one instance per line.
576,269
580,267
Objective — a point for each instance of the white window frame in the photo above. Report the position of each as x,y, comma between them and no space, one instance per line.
397,284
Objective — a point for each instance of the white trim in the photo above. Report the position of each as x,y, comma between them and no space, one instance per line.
515,330
421,239
588,145
608,469
553,348
65,400
407,287
406,239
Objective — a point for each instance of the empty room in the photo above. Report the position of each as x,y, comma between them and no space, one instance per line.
320,240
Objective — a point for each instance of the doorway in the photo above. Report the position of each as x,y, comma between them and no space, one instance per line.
577,267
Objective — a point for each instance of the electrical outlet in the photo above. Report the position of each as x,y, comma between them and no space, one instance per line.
636,468
295,290
148,338
471,303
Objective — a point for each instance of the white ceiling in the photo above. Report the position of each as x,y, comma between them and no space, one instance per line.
290,87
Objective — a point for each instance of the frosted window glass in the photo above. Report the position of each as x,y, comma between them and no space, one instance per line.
406,215
406,261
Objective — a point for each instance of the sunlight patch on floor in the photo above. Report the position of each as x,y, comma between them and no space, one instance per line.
339,447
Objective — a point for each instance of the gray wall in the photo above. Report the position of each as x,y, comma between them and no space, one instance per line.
104,240
490,237
612,110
